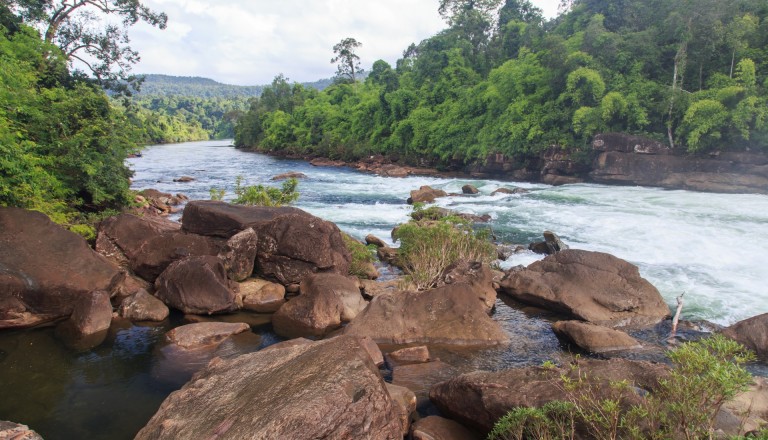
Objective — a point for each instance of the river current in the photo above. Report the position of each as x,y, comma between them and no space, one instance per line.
709,246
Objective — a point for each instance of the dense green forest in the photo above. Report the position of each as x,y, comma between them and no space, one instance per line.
192,86
501,79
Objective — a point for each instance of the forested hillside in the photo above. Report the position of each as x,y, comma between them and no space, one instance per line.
500,79
188,86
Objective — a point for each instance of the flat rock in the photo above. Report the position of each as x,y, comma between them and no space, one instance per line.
595,338
328,389
221,219
408,355
204,333
440,428
289,175
590,286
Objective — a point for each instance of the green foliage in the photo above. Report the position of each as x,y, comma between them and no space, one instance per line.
704,375
260,195
362,256
428,247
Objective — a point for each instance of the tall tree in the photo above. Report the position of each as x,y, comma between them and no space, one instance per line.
75,26
347,59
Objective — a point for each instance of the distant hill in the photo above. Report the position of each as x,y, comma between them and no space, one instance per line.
167,85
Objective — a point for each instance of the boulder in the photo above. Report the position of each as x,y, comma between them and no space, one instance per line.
503,190
439,428
408,355
141,306
197,285
204,333
92,313
325,302
221,219
293,246
289,175
752,333
240,253
595,338
477,276
405,404
469,189
454,314
425,194
45,269
552,244
374,240
147,245
262,296
16,431
479,399
328,389
746,412
373,288
184,179
590,286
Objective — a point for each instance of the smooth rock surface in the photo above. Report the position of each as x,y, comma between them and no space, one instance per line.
440,428
752,333
595,338
197,285
262,296
142,306
204,333
221,219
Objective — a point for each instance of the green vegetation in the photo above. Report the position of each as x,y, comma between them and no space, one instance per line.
705,374
362,256
260,195
501,80
427,247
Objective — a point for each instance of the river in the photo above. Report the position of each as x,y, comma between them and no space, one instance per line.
709,246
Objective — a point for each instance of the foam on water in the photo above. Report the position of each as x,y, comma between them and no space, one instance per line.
709,246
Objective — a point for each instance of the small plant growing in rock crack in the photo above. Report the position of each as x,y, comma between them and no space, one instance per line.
705,374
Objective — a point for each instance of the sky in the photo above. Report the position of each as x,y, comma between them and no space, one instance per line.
249,42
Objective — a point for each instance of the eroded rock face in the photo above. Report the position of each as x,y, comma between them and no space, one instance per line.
239,254
591,286
425,194
45,269
221,219
197,285
16,431
293,246
252,397
452,314
752,333
595,338
479,399
142,306
325,302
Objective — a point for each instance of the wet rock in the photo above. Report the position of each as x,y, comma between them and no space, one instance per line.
425,194
221,219
197,285
293,246
479,399
452,314
439,428
262,296
503,190
325,302
289,175
148,245
408,355
393,171
204,333
154,202
16,431
752,333
387,255
252,319
474,274
374,240
184,179
469,189
323,162
88,325
45,269
405,404
240,253
595,338
251,396
504,251
142,306
590,286
551,244
420,378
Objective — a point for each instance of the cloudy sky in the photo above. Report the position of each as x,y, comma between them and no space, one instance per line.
248,42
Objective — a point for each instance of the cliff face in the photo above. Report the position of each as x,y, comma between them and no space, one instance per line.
622,159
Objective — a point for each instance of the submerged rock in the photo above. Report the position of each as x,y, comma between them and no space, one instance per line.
328,389
289,175
590,286
595,338
204,333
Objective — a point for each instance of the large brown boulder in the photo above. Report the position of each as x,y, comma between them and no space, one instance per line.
325,302
477,276
262,296
240,253
752,333
45,269
141,306
425,194
329,389
197,285
453,314
479,399
595,338
147,245
590,286
293,246
221,219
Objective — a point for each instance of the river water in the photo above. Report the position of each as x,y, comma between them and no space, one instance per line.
709,246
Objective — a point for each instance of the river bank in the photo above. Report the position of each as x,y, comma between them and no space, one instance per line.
615,159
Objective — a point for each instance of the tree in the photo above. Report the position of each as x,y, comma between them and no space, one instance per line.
349,62
451,10
74,26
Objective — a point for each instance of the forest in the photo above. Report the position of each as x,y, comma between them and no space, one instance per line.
501,79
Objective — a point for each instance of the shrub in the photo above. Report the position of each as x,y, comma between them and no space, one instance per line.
428,247
261,195
362,256
705,374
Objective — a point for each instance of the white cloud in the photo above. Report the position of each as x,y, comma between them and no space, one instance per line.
250,41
